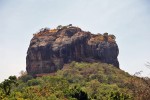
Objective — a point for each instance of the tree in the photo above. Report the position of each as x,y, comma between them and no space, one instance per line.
148,65
25,78
69,25
77,93
59,27
112,36
7,84
105,36
23,73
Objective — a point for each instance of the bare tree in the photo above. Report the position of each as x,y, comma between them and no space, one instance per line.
147,65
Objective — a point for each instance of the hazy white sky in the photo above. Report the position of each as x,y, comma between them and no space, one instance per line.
129,20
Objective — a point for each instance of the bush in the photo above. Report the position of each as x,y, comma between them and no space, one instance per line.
34,82
119,96
77,93
25,78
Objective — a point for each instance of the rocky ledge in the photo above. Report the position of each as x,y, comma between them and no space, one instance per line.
50,49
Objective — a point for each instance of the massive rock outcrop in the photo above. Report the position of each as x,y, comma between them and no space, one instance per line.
49,49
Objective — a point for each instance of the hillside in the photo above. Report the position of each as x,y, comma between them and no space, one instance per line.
81,81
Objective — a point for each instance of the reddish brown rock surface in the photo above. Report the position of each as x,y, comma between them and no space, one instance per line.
49,50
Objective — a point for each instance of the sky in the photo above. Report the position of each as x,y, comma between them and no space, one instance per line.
128,20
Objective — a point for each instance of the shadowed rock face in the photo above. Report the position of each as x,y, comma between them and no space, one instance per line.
50,50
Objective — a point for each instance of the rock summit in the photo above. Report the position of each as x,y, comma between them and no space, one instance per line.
50,49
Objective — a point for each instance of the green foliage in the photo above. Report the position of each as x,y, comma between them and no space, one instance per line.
7,84
78,93
105,36
78,81
25,78
34,82
69,25
112,36
119,96
59,27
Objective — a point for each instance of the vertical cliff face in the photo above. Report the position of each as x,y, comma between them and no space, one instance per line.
49,50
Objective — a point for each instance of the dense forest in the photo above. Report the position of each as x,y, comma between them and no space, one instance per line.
77,81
